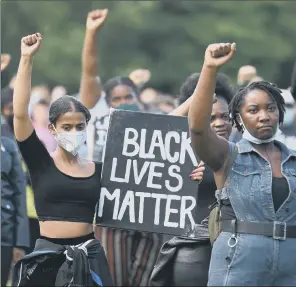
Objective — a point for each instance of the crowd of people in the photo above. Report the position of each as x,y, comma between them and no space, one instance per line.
52,149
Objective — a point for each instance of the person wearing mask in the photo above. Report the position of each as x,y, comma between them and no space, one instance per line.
65,190
258,224
185,262
14,220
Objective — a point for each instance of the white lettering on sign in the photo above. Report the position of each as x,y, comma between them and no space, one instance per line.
164,200
158,141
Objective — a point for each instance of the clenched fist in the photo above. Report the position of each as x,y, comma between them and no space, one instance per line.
30,44
140,76
96,19
219,54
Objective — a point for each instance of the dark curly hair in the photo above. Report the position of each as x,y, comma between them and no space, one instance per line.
114,82
223,87
238,100
64,105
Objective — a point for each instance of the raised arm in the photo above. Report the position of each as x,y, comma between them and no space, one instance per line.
183,109
211,148
23,127
90,90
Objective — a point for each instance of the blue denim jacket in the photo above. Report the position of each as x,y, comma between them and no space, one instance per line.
249,185
256,260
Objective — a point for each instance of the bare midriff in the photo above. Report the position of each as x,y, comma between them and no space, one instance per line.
64,229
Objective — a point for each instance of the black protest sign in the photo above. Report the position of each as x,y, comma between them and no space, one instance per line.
145,176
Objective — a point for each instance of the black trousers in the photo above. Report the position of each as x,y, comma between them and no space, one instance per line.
191,266
6,258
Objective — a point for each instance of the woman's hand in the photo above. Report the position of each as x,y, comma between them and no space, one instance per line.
219,54
198,173
5,60
30,44
96,19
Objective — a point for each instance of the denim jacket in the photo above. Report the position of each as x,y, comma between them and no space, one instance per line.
249,185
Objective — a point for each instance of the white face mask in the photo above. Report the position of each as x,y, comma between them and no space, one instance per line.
71,141
250,138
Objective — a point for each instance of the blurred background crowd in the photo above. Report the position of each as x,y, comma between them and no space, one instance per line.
156,44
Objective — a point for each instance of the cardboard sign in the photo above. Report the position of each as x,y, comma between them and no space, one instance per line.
145,177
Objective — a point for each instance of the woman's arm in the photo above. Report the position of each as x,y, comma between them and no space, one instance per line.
23,127
212,149
183,109
90,87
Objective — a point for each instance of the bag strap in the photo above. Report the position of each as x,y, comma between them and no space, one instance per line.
233,152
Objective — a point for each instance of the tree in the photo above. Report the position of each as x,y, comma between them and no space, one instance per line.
167,37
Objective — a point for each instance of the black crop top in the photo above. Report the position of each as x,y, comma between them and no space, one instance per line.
59,197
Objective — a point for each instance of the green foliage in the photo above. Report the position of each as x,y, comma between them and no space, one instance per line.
167,37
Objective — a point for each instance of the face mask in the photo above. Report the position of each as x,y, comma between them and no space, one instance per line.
250,138
71,141
289,117
129,107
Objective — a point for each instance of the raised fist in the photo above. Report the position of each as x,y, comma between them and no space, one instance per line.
140,76
30,44
219,54
96,19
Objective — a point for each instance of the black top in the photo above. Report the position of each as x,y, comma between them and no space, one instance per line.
206,195
280,192
59,197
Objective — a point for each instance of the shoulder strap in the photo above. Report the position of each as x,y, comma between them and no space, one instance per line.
233,151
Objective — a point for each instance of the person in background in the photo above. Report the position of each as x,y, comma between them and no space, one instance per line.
288,128
245,75
7,131
40,92
14,221
121,93
5,60
165,103
57,92
7,113
293,82
148,96
190,262
40,121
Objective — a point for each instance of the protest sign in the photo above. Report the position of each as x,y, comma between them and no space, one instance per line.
145,176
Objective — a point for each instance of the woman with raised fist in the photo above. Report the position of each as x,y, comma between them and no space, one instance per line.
65,190
257,239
